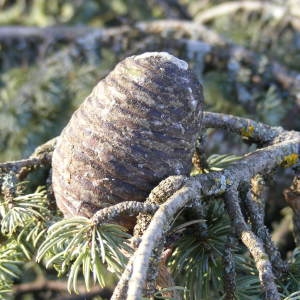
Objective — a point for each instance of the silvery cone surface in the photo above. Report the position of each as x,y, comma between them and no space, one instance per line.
138,126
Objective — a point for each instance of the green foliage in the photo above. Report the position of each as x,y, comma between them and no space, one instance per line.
22,211
247,281
292,282
217,162
79,245
75,246
271,108
24,218
219,93
23,221
11,260
37,101
31,236
293,296
5,290
34,109
197,259
262,32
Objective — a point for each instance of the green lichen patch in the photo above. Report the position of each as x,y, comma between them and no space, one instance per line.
290,160
247,132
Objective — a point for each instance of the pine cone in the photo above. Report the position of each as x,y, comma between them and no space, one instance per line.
138,126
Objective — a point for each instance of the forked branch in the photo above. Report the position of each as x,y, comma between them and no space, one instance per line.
283,151
175,193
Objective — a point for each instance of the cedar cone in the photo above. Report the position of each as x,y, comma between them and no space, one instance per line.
138,126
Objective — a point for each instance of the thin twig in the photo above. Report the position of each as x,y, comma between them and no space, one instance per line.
247,128
229,270
222,50
181,28
128,208
16,165
292,197
120,290
41,156
253,243
257,221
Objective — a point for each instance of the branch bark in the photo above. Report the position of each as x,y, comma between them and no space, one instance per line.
262,160
128,208
41,156
253,243
256,214
255,131
153,234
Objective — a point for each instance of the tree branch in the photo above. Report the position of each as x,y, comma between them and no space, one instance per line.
120,290
292,197
128,208
254,245
278,12
262,160
158,226
256,213
54,33
229,270
165,189
247,128
41,156
217,47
